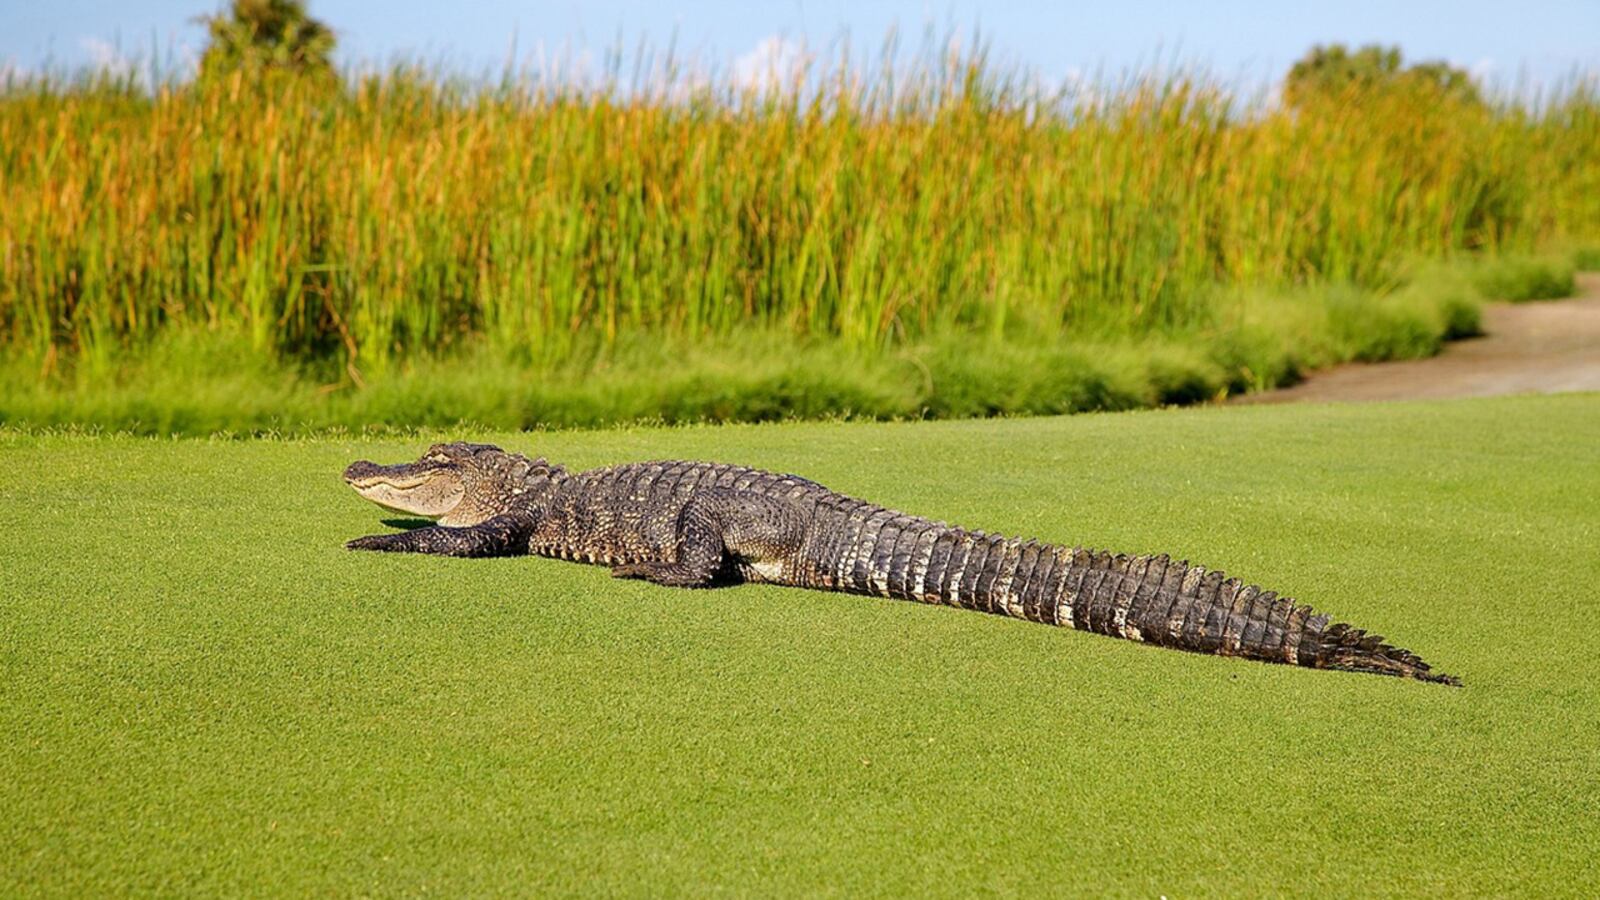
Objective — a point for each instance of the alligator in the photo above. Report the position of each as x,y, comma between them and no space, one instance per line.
700,524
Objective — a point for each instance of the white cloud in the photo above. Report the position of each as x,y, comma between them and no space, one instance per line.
180,58
774,62
189,58
1081,89
105,55
565,65
685,85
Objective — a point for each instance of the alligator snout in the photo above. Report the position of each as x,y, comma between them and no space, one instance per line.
361,470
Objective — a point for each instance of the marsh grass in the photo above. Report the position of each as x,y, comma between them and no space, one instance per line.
841,244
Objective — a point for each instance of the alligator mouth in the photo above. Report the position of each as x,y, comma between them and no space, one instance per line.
399,484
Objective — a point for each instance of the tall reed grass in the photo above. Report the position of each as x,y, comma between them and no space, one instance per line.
406,213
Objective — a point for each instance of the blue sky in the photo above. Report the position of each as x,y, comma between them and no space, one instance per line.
1240,40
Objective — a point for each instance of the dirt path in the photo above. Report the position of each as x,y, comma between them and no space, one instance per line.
1530,348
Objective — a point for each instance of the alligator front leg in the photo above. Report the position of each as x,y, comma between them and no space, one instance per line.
721,526
499,536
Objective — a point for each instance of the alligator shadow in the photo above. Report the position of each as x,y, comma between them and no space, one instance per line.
408,524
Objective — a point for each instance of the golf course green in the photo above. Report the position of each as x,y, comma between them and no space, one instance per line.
201,691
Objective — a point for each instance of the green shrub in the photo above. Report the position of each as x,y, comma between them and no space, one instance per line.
1520,278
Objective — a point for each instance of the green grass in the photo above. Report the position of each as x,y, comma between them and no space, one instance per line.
202,693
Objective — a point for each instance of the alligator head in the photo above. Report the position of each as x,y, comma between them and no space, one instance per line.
458,484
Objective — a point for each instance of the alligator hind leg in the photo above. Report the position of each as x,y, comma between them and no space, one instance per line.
698,560
724,526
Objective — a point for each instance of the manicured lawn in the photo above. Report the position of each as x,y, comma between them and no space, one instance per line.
200,691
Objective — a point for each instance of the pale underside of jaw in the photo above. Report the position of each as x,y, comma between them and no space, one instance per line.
410,512
392,495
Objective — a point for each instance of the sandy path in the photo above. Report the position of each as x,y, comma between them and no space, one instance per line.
1530,348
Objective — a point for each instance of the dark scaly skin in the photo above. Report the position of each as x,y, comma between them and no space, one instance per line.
694,524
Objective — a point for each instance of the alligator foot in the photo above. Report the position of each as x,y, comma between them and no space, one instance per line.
666,574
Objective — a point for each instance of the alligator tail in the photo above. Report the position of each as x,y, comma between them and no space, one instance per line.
1153,599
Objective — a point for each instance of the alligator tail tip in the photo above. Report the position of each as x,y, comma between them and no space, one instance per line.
1439,678
1356,650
